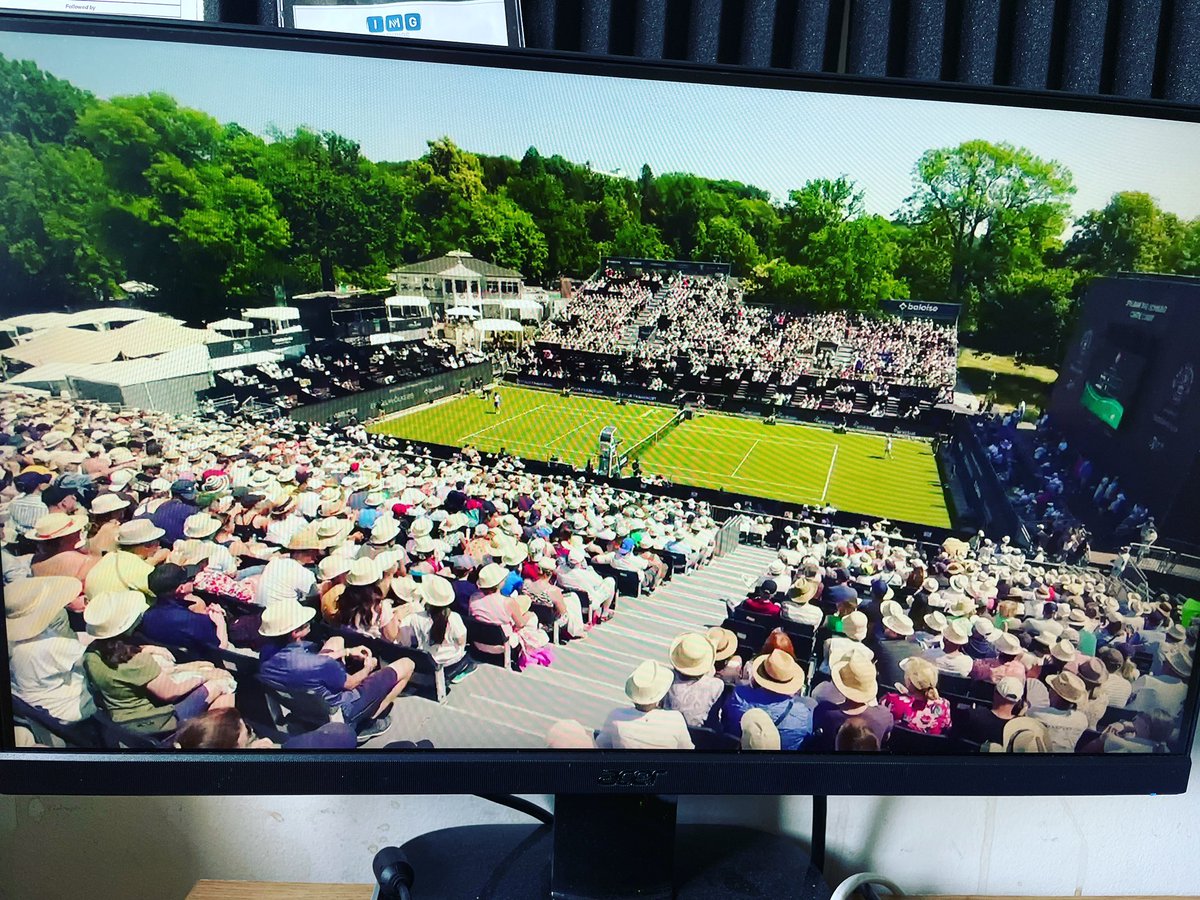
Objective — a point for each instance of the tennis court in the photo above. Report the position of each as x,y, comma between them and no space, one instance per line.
794,463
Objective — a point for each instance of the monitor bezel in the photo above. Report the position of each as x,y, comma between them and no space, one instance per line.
48,771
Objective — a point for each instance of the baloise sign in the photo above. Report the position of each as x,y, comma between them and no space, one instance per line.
922,309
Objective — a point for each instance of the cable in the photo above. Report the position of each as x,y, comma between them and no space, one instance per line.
820,814
522,806
854,882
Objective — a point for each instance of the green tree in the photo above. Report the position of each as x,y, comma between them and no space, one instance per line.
986,206
332,199
723,240
36,105
53,245
1130,234
1029,314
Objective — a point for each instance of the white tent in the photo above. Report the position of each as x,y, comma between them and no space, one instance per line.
408,302
531,308
148,337
273,313
230,325
469,312
486,325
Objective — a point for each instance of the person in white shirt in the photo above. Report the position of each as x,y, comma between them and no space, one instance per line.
577,576
797,606
437,629
288,577
646,726
625,560
778,573
951,659
1168,690
1063,720
1116,688
45,658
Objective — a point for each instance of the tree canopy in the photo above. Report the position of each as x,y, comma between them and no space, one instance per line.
95,192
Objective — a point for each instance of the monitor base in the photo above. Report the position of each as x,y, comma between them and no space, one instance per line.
711,862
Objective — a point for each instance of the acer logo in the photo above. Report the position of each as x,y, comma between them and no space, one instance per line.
629,777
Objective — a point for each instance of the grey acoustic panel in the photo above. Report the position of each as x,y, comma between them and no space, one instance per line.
704,35
1083,46
595,24
540,18
758,32
925,38
1136,49
869,37
977,41
650,29
1032,33
810,35
1182,71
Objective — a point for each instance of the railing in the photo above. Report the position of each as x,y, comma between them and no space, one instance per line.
728,536
1163,561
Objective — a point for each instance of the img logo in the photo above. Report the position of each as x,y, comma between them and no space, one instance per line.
395,22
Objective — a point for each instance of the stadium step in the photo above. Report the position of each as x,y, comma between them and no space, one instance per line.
500,707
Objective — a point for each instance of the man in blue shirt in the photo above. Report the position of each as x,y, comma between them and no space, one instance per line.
177,618
293,664
776,681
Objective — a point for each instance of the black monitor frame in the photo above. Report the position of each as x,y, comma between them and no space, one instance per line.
42,771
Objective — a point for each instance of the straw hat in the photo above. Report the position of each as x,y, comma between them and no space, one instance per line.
890,608
54,526
724,642
1069,686
138,531
900,624
759,731
935,622
855,626
491,576
1008,645
649,683
436,591
284,617
107,503
919,673
363,572
802,592
201,526
692,654
1063,651
113,613
514,555
334,565
778,672
384,530
30,604
957,632
856,679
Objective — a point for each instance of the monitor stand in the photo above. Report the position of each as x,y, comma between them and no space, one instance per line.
610,847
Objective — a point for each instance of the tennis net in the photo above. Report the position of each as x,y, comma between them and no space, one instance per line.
636,450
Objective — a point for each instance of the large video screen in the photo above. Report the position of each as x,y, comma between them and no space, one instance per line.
357,403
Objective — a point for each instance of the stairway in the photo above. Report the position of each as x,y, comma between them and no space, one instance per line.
499,708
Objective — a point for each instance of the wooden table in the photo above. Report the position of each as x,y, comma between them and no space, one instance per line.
259,890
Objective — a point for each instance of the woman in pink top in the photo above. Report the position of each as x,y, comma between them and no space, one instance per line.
918,706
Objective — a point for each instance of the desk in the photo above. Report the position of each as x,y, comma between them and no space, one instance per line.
256,890
260,890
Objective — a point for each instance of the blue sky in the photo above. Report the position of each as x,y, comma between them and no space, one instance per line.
774,139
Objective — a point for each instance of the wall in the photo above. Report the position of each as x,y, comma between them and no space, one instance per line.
155,848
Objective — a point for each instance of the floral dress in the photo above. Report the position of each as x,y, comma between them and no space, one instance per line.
915,713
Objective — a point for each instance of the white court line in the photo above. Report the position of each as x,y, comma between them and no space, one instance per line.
501,422
554,440
744,458
752,481
829,476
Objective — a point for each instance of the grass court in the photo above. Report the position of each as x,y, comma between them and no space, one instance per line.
793,463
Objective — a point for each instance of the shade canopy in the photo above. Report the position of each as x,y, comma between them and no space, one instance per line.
499,325
413,302
467,312
81,345
273,313
230,325
523,305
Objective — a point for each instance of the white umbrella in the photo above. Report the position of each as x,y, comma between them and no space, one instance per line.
468,312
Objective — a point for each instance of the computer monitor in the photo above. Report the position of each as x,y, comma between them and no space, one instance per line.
315,346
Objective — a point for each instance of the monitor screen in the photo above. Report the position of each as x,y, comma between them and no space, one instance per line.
364,401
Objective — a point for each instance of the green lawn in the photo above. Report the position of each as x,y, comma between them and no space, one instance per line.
1014,380
793,463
